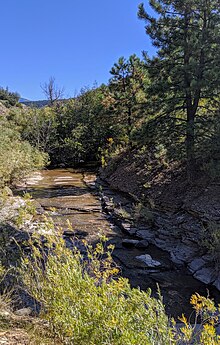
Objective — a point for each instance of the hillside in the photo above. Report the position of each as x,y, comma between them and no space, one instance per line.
34,104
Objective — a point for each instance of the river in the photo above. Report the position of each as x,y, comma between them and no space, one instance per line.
65,194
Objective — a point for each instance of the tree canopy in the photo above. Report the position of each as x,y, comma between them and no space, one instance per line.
185,71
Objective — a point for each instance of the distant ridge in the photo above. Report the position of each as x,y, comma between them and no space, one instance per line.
38,104
22,100
34,104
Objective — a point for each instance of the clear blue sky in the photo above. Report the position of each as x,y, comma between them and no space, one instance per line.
75,41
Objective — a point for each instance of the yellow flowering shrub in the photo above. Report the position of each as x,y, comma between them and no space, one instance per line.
203,331
85,302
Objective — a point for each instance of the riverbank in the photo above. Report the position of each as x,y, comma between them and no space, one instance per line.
93,210
176,217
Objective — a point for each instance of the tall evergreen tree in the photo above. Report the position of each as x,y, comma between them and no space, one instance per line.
186,69
127,89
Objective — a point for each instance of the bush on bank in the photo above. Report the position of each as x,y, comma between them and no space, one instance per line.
85,304
17,157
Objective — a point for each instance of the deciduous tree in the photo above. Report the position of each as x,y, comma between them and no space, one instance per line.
52,91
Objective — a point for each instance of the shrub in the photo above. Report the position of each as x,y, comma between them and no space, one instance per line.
85,305
204,332
17,157
10,97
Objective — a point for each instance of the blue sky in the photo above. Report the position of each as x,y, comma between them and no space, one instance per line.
75,41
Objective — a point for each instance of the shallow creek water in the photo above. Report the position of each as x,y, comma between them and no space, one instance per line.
65,195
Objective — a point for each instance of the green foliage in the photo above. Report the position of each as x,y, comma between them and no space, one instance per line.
107,151
184,73
127,92
204,332
25,212
17,157
123,213
71,131
9,98
83,127
37,126
210,146
85,305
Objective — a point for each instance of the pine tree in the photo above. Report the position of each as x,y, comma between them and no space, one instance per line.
186,69
127,90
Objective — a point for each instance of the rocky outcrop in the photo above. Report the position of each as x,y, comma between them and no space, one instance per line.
181,231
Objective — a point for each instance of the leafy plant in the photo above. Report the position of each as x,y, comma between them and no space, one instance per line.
25,212
85,304
203,330
17,157
10,97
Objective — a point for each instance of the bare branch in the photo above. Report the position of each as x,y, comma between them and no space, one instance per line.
52,91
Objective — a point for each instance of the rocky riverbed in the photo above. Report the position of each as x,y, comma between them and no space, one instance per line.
179,233
143,254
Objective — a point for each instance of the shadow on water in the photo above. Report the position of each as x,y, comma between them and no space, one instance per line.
72,200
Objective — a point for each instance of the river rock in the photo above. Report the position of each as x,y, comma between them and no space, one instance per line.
196,264
162,221
217,283
164,244
147,259
142,244
208,258
145,234
129,243
205,275
185,253
175,260
132,231
128,260
126,227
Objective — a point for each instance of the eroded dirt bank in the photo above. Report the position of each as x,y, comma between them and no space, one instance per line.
182,219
